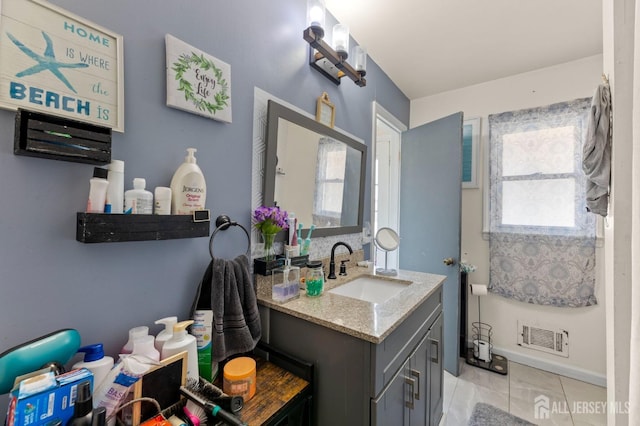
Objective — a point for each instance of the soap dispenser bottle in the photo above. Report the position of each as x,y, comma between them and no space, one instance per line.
188,187
96,362
182,341
134,333
144,345
165,334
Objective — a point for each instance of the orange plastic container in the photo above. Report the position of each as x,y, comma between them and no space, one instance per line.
239,377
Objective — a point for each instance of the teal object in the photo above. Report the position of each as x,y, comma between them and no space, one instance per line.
58,346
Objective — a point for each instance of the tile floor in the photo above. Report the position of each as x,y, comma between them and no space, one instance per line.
570,402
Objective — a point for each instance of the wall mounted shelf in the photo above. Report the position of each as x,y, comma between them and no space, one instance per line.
110,228
56,138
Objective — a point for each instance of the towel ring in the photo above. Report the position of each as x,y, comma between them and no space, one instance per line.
224,222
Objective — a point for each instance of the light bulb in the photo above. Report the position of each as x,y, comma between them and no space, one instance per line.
316,12
341,40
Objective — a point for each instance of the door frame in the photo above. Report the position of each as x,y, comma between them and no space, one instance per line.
379,112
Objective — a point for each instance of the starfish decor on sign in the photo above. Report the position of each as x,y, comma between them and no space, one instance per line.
45,62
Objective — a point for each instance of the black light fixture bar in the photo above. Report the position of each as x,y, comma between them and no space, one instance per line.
329,62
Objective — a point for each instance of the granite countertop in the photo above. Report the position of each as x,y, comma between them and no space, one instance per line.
357,318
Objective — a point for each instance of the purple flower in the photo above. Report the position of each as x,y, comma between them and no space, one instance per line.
270,220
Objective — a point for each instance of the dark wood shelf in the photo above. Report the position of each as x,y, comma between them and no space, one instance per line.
111,228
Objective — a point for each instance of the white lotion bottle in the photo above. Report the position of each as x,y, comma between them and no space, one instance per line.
165,334
138,200
134,333
96,362
98,185
180,342
144,346
115,192
188,187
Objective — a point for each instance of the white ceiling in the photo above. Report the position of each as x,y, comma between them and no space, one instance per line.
432,46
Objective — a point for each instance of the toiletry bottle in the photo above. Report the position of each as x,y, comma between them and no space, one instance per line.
134,333
162,196
180,342
285,282
96,362
97,191
188,187
144,345
165,334
115,192
202,329
83,406
138,200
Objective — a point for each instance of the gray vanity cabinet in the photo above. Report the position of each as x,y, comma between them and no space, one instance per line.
358,382
414,395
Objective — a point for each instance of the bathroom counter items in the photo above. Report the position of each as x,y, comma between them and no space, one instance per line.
364,320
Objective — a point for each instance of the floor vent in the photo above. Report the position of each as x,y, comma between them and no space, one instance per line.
546,339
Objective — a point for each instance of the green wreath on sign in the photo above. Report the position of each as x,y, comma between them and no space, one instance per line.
184,63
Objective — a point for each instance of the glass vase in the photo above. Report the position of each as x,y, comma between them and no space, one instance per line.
269,250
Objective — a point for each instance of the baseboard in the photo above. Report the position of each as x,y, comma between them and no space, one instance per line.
553,367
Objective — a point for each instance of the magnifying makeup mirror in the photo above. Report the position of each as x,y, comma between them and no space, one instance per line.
387,240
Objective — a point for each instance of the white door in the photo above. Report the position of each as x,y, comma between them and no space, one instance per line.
386,183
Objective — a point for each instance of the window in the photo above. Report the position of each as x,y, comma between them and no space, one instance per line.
330,172
542,239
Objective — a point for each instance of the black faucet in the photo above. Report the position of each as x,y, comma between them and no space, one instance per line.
332,264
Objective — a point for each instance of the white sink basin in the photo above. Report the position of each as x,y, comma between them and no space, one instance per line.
371,289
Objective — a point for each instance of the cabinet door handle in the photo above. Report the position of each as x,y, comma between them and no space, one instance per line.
412,383
436,352
416,374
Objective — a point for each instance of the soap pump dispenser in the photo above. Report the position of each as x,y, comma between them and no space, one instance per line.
188,187
182,341
166,333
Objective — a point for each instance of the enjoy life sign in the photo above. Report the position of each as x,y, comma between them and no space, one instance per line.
55,62
197,82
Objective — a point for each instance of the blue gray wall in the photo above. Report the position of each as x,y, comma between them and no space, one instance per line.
48,280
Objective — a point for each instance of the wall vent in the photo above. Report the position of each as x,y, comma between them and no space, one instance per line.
552,340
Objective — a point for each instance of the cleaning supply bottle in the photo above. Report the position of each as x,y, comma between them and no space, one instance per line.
182,341
134,333
97,191
96,362
165,334
138,200
115,191
188,187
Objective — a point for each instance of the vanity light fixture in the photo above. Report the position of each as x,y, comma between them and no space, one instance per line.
331,61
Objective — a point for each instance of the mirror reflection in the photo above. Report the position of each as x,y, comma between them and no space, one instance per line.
315,172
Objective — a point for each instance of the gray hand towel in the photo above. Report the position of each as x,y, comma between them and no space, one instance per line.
227,289
596,152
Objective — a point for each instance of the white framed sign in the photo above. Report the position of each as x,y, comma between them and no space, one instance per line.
58,63
325,110
197,82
